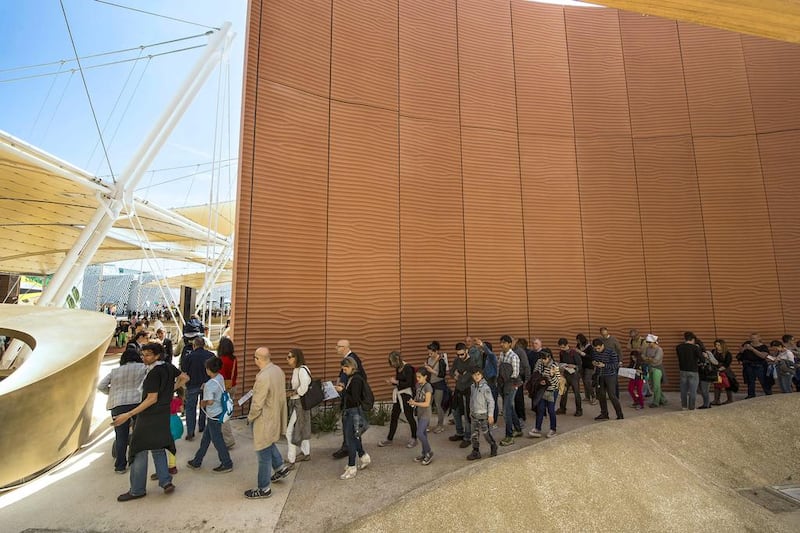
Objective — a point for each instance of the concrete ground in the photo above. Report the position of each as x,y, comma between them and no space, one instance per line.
80,494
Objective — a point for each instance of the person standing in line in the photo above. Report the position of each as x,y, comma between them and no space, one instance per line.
508,374
636,385
403,391
689,357
194,365
611,342
355,422
753,357
607,364
784,359
571,365
123,387
481,408
459,371
298,430
549,372
268,417
422,403
437,367
212,405
342,351
653,355
161,336
230,373
152,431
636,342
584,348
724,358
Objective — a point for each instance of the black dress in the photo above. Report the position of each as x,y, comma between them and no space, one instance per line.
152,430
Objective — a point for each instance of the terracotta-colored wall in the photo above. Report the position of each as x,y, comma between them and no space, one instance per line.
424,169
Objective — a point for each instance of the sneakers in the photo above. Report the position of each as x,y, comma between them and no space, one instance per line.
169,488
601,417
551,433
364,461
508,441
193,465
639,407
412,443
128,496
222,469
189,436
427,459
340,453
452,438
349,473
419,458
301,457
385,443
280,473
474,455
516,433
120,470
439,429
493,451
255,494
464,444
535,434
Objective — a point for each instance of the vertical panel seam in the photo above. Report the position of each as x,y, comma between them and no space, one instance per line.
577,174
399,186
763,183
252,189
697,179
461,172
328,194
635,171
519,171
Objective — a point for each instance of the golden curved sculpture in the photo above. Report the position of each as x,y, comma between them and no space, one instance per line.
46,403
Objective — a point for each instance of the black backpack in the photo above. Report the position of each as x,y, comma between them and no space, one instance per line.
367,398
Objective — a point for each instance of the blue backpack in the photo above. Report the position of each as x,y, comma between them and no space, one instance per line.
225,402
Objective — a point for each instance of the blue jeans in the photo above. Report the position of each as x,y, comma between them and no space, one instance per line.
689,382
461,416
752,372
123,434
551,412
352,434
422,434
510,414
213,433
269,459
192,396
139,471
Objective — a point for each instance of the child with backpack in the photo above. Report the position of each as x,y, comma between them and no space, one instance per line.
356,395
213,396
422,401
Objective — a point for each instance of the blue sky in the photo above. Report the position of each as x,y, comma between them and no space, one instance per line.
52,111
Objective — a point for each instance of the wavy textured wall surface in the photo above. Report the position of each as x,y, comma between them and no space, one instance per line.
426,169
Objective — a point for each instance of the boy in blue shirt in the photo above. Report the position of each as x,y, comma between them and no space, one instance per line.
212,395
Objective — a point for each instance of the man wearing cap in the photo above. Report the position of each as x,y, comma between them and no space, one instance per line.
653,355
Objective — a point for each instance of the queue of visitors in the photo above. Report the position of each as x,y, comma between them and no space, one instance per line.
146,385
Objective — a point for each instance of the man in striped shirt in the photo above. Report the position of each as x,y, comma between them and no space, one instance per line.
509,375
607,363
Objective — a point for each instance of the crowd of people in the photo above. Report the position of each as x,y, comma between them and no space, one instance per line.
148,387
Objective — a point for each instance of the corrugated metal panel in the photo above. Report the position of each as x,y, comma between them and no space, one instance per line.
780,160
773,75
431,238
428,60
716,83
365,52
486,65
740,252
599,96
654,76
363,297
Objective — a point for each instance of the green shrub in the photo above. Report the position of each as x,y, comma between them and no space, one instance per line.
325,420
380,414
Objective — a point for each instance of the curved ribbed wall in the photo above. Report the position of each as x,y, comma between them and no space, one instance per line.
420,169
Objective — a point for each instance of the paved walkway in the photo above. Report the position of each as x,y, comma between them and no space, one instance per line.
80,494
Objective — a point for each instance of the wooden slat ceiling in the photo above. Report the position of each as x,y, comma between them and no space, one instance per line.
45,204
775,19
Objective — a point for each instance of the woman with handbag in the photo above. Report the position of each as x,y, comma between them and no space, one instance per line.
298,430
724,358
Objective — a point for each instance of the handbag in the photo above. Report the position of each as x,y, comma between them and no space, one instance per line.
313,396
